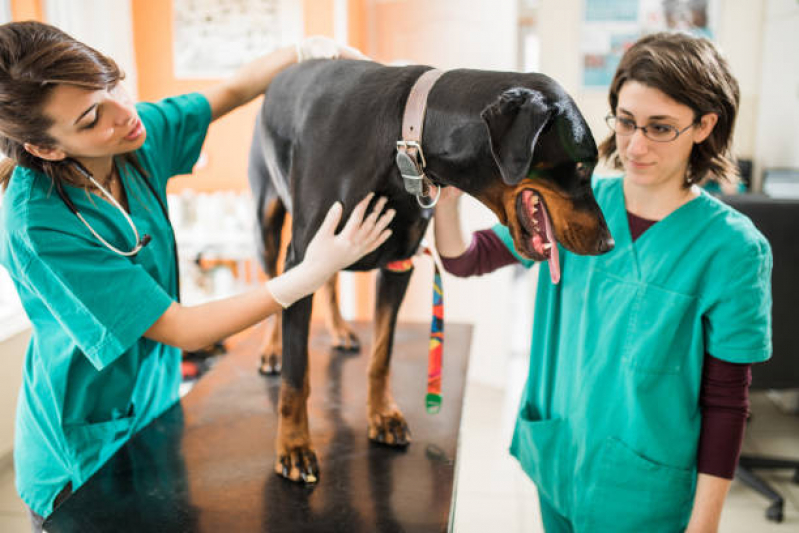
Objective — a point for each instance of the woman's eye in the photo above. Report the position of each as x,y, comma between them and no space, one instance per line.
627,123
659,128
93,123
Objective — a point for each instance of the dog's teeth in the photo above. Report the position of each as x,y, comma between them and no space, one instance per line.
534,200
547,246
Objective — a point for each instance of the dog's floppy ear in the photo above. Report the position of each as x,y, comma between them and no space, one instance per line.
514,122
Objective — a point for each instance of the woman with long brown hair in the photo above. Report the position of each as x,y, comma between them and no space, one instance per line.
86,238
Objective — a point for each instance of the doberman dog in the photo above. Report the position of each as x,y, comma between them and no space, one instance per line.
328,131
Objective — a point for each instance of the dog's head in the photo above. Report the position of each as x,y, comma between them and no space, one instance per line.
545,154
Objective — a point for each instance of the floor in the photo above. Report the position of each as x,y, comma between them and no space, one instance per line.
494,495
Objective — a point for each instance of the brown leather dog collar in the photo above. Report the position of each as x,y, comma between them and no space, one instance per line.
410,156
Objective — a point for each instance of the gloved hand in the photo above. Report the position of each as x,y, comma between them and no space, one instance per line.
329,252
320,47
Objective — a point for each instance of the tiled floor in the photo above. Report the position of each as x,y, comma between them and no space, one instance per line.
494,495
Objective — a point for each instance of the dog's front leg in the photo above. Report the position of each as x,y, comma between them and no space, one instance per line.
296,458
386,423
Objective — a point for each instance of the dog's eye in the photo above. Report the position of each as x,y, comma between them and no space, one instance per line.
584,170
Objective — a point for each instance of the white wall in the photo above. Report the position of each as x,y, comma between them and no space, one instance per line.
777,142
105,25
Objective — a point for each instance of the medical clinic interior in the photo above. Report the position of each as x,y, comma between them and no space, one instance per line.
222,310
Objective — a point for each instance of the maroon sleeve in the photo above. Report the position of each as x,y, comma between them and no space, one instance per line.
724,401
485,254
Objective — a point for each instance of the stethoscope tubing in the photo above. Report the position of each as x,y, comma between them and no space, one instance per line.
142,241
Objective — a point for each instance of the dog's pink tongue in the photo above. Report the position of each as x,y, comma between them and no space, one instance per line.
554,258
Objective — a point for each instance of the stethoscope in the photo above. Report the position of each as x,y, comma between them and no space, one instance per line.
141,241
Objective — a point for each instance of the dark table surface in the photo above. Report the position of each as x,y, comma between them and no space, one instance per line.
207,463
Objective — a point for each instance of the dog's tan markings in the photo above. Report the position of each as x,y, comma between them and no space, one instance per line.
342,335
296,458
272,347
576,229
386,424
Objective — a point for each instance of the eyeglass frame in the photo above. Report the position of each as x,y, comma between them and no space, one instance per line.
677,132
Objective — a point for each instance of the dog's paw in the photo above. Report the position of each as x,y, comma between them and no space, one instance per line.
391,430
346,342
270,366
299,465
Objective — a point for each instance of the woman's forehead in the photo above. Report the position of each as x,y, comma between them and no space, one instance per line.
644,101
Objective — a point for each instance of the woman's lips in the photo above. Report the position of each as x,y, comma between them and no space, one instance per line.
638,164
137,130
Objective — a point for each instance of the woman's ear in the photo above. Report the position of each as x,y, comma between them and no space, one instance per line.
705,127
49,154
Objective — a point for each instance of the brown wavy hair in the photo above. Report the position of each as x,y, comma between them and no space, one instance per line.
691,71
34,58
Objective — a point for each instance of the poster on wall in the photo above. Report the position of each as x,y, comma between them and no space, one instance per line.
611,26
212,38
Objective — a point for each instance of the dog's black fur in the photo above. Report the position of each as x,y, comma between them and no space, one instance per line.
327,132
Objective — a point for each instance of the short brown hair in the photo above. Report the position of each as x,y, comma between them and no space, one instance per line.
691,71
34,58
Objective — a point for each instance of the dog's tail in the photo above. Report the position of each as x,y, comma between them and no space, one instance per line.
270,211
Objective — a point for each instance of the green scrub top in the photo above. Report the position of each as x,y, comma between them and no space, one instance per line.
90,380
609,421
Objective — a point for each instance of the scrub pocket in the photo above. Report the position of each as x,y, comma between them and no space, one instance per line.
633,494
660,330
544,451
92,444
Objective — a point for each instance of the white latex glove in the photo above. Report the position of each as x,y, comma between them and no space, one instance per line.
320,47
329,252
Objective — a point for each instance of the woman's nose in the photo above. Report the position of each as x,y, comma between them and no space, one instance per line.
123,114
638,143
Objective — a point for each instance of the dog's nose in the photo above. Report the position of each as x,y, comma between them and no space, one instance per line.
606,245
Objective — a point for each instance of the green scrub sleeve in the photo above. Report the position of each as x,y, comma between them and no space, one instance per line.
176,129
504,235
738,318
102,300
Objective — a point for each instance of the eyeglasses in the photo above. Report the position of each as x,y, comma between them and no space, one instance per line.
661,133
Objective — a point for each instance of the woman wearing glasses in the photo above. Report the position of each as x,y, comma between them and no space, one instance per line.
85,235
634,409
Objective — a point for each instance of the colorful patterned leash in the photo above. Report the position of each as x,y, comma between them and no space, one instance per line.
436,350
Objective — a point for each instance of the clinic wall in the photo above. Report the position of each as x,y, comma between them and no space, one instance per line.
778,119
12,350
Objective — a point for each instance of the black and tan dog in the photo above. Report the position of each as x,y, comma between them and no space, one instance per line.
327,132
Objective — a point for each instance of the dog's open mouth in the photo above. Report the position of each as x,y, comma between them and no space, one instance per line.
538,239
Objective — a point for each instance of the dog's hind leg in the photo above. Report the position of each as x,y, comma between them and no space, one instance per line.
386,424
271,231
270,215
342,335
296,458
